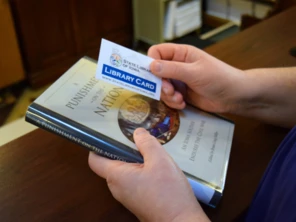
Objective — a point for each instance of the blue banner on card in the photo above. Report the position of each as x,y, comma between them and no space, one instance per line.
128,78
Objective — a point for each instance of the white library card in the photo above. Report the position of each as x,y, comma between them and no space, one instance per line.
128,69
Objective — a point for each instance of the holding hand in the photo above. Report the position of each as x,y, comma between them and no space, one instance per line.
154,191
157,190
196,77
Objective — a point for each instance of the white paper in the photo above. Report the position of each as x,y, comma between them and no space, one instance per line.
128,69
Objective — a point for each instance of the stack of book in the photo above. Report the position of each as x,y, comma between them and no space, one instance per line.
181,18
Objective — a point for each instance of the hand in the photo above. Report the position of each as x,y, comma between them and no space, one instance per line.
196,77
154,191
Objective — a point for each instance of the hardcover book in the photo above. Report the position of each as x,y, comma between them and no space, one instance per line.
102,118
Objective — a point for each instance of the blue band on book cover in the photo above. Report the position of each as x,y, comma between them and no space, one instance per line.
81,134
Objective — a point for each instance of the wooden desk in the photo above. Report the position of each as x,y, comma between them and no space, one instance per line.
46,178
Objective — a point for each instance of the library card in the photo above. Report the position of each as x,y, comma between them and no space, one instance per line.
128,69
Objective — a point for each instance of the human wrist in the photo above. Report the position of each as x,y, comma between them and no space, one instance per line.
197,215
193,213
248,95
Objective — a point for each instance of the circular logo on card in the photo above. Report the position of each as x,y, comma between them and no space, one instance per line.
115,60
158,119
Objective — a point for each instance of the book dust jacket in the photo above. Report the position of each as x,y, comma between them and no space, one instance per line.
198,142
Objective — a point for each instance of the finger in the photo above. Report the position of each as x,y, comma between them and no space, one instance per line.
148,145
167,88
173,93
180,87
101,165
153,52
184,72
175,52
176,98
176,101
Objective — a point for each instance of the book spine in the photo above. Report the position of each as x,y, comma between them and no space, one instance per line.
69,129
205,193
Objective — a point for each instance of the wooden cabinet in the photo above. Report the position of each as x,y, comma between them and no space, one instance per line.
95,19
11,70
54,34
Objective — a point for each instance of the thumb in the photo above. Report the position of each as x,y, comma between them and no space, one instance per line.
173,70
148,146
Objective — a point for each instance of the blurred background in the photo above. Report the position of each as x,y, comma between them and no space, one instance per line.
41,39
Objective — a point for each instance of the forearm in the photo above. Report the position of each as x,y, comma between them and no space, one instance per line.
196,216
269,95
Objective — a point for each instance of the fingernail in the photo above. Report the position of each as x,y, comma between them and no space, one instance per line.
158,67
175,98
140,131
165,90
164,87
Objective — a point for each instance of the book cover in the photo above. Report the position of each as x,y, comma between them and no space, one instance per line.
102,118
